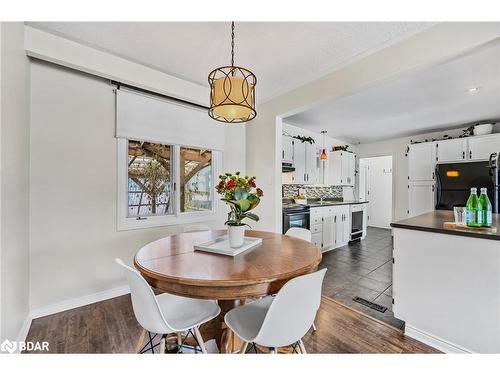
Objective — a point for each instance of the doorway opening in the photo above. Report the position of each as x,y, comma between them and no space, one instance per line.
375,186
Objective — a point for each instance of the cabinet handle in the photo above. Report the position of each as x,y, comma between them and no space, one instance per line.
283,154
463,154
433,188
433,175
470,154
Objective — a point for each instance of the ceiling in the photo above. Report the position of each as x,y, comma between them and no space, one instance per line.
432,99
283,55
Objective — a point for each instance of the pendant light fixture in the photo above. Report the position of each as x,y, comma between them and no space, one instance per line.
232,92
323,155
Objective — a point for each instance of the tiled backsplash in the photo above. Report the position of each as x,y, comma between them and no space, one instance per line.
290,191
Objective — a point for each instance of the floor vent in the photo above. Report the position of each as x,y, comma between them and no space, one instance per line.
371,305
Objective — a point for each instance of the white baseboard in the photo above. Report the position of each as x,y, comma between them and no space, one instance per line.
23,332
434,341
78,302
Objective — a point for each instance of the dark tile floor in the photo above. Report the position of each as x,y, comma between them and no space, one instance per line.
364,269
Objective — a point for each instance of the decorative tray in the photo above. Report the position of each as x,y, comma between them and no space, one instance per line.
220,245
452,225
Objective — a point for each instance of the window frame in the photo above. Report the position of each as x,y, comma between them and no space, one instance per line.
177,217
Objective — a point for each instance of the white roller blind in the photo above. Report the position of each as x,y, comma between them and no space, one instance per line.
144,117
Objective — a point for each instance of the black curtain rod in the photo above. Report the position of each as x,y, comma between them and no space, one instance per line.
119,84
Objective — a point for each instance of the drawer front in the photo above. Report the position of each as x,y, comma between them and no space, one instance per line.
357,207
315,220
316,228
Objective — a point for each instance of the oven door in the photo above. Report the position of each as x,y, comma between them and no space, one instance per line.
295,219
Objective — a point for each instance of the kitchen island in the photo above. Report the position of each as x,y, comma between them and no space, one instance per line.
446,283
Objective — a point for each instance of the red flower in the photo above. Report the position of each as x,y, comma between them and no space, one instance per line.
260,193
230,184
251,182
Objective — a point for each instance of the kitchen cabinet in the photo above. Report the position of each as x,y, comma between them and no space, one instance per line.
451,150
342,225
341,168
421,197
421,161
481,147
305,163
287,149
330,226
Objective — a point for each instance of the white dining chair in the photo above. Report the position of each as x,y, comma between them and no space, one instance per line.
281,320
167,313
303,234
196,228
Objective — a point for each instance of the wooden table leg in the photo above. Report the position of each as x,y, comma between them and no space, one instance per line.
226,340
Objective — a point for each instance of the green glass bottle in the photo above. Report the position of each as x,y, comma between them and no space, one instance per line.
473,219
486,208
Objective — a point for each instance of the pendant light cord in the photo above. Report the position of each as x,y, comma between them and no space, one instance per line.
232,43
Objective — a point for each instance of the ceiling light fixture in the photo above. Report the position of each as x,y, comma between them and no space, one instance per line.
323,155
232,92
474,89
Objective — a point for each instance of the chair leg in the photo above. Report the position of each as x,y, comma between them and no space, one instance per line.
138,346
302,347
243,348
179,341
200,340
314,326
162,344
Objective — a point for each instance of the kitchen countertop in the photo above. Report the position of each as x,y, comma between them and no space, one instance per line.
314,204
433,222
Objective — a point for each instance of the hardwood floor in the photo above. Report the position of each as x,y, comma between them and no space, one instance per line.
110,327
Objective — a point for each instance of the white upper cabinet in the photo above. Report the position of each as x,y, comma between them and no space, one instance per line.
299,162
312,174
305,163
287,149
481,147
451,150
341,168
421,161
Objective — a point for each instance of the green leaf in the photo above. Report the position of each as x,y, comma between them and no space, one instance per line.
251,216
240,193
254,201
244,204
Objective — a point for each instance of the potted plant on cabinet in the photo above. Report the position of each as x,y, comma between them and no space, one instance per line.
242,195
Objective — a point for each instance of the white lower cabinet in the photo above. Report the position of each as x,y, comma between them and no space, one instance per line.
421,197
330,226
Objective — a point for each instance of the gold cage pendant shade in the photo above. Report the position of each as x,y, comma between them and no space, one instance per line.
232,94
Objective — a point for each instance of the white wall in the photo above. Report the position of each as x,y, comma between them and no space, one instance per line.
397,149
14,181
73,187
429,47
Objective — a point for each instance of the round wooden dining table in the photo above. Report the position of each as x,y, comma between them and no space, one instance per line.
172,265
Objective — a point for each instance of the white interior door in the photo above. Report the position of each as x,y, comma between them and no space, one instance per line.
363,180
379,190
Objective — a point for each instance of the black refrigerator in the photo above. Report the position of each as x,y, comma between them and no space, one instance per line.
454,181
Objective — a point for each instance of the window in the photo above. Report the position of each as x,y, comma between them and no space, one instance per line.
149,179
196,179
161,184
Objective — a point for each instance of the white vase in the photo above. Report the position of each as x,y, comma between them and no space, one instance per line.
236,235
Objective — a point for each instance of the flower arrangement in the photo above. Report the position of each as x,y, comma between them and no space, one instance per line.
241,194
